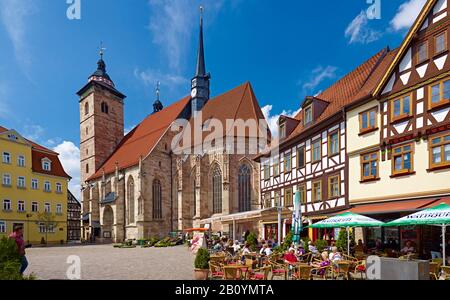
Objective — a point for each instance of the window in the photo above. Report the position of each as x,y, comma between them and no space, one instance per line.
21,182
244,188
308,114
21,206
277,199
402,160
301,157
59,188
47,186
130,200
42,228
317,191
369,166
401,108
86,108
422,52
288,201
6,158
50,228
302,191
34,184
368,120
58,209
2,227
6,205
46,165
276,167
47,208
439,148
334,186
105,108
267,201
266,171
6,180
440,94
333,143
282,131
287,162
317,151
440,43
217,191
34,207
87,168
21,161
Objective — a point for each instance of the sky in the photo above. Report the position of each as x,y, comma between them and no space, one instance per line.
286,49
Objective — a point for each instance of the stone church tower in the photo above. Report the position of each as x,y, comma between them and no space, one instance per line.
101,120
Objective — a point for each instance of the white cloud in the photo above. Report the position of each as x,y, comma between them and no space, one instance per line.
69,155
318,75
4,107
14,15
272,120
358,31
33,132
407,14
150,77
174,23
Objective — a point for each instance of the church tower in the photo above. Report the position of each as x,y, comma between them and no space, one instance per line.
101,120
200,83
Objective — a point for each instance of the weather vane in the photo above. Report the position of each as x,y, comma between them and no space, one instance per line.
202,9
102,50
157,89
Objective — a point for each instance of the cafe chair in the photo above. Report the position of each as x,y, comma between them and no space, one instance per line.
215,271
434,270
302,272
259,274
231,273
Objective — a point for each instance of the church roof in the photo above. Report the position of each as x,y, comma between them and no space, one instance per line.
142,139
38,153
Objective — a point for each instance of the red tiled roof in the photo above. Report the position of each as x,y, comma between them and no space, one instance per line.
352,87
39,152
142,139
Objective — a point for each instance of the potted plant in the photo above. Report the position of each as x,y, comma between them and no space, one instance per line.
201,264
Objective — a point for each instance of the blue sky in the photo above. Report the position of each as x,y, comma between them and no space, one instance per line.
286,49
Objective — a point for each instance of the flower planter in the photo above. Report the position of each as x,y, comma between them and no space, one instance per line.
200,274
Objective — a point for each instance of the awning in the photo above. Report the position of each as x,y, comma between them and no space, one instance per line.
437,202
253,215
393,206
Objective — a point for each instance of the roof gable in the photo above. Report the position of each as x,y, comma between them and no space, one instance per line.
403,50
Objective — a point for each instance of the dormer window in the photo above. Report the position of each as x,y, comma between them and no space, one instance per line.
282,130
46,164
308,114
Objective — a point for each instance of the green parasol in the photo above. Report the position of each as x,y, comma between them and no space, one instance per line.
348,220
438,215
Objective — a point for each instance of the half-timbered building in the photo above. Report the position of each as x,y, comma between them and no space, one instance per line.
399,137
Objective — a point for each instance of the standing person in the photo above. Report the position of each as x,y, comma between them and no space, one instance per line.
17,236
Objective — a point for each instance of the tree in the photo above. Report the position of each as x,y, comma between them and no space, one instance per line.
9,260
48,223
341,242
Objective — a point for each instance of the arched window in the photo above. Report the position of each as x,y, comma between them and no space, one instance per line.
140,206
217,190
194,197
105,108
86,108
130,196
157,200
244,188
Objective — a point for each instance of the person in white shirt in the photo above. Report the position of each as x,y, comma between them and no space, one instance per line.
335,255
408,249
265,250
236,246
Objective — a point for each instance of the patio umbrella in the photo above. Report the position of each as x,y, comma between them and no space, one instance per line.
297,219
348,220
438,215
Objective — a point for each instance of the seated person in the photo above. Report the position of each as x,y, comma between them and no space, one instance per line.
408,249
324,262
290,257
360,247
312,248
335,255
236,247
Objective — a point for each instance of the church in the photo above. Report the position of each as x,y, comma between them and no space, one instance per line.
136,186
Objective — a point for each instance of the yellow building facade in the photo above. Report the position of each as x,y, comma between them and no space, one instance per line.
33,190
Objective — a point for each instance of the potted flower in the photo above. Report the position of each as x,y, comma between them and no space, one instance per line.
201,264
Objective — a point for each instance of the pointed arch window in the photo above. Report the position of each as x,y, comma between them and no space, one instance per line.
217,191
130,196
157,199
194,197
244,188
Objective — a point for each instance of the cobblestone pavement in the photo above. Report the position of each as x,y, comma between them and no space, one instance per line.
103,262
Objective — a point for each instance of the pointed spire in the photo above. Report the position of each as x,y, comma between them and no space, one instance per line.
201,70
100,74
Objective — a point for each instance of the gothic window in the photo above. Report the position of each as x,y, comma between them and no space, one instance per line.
87,168
130,196
157,199
217,190
140,206
244,188
86,108
194,197
105,108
